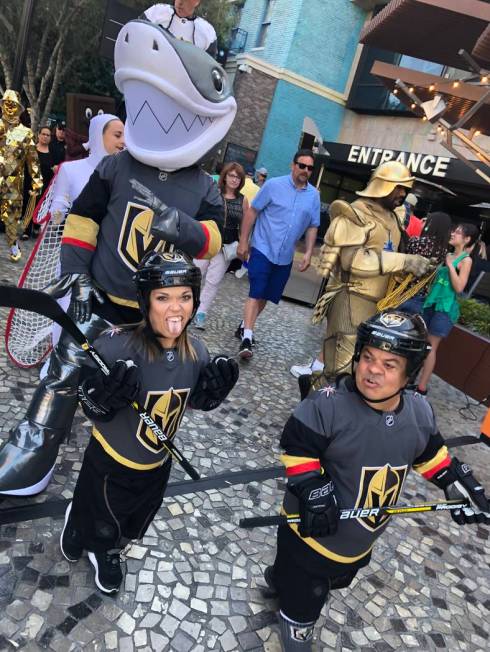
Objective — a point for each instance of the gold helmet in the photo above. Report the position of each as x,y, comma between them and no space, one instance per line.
13,107
385,178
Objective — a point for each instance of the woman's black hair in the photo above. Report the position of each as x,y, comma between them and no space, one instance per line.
438,227
472,232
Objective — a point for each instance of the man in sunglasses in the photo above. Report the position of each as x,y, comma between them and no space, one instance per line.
283,210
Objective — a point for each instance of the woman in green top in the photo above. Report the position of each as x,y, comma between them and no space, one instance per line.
441,308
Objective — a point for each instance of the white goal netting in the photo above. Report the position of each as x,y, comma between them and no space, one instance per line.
28,335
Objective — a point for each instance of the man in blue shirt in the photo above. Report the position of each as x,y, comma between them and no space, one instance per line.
283,210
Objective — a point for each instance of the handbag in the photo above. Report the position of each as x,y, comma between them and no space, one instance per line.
229,250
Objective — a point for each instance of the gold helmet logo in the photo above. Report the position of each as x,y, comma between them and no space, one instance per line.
136,239
392,319
167,410
379,486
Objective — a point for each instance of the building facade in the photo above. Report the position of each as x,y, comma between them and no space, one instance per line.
296,60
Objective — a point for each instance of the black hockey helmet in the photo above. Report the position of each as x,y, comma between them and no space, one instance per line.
398,332
166,269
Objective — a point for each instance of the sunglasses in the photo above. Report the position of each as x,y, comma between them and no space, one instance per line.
303,166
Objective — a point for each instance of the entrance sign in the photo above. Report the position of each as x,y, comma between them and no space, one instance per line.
426,164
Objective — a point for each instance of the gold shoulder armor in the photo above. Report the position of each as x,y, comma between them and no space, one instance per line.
344,233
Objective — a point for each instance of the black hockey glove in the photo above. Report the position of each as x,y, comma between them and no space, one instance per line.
458,483
83,293
215,382
102,396
318,508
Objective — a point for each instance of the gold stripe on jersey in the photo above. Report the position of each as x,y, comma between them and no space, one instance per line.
439,457
294,460
214,243
123,302
123,460
81,228
325,552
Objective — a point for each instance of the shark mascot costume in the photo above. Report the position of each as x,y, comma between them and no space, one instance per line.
150,196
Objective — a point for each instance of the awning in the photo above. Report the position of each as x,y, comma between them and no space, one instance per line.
434,30
458,99
481,51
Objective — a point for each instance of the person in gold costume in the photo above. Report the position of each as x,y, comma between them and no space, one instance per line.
17,149
362,248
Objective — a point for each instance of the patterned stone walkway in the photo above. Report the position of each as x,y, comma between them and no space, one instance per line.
194,582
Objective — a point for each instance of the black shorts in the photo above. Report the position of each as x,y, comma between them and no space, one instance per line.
113,503
303,578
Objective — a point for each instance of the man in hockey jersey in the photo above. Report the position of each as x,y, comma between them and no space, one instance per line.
353,445
125,469
182,22
151,196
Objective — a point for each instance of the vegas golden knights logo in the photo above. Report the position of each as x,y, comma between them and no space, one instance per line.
135,239
166,410
379,486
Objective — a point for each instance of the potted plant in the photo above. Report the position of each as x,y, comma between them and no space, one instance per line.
463,358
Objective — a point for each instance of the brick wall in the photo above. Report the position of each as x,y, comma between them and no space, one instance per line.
254,93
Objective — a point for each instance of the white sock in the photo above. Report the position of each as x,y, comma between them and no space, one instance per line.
247,334
317,365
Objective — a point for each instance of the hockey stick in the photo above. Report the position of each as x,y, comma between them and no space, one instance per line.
358,512
43,304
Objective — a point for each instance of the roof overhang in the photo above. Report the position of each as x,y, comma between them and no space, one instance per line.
440,29
458,96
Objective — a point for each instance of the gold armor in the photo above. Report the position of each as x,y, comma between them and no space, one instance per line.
17,149
358,256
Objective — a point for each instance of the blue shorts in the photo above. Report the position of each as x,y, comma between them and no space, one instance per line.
267,280
438,323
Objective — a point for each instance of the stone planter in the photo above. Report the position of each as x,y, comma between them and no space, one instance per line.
463,360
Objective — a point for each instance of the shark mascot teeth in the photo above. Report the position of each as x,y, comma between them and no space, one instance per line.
178,99
152,196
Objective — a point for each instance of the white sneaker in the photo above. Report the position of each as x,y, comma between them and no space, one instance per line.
298,370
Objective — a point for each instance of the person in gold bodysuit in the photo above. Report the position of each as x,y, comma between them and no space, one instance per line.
17,149
361,250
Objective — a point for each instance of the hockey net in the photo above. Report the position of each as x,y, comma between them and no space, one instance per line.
28,335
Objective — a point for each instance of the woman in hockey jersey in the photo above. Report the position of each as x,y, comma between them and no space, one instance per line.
126,468
352,445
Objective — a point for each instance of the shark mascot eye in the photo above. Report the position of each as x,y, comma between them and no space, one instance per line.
178,99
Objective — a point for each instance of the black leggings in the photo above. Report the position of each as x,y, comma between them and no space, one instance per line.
113,503
303,587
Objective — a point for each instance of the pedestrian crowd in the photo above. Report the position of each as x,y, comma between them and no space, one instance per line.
141,257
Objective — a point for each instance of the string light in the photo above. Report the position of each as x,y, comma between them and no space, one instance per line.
424,118
432,87
411,89
455,84
413,105
484,80
477,132
395,92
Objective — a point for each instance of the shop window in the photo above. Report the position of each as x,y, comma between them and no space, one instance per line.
368,93
239,154
339,186
266,22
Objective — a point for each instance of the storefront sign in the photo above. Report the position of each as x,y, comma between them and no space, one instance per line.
426,164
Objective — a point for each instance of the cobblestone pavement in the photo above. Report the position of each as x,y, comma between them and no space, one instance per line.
194,582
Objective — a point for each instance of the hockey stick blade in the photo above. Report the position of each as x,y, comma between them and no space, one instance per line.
357,512
43,304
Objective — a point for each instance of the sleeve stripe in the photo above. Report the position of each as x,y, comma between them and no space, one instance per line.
429,474
296,460
440,460
77,243
303,468
81,229
212,243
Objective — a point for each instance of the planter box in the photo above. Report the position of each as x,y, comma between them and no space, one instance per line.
463,361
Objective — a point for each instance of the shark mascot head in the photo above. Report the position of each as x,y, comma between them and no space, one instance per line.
178,99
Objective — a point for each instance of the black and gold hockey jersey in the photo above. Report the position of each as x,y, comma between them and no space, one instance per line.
107,232
166,387
366,452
